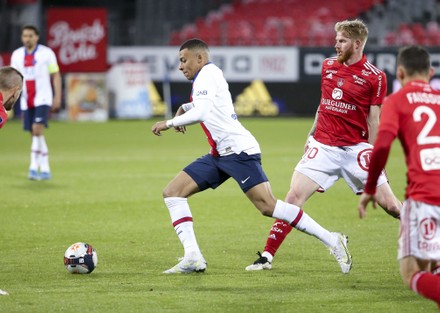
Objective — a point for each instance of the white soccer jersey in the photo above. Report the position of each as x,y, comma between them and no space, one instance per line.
225,133
36,68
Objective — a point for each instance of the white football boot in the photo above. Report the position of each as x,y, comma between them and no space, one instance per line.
189,264
341,253
262,263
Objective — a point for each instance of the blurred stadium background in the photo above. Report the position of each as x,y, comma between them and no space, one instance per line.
119,58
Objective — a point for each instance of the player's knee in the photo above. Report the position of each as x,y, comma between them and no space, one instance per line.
293,197
37,130
168,192
266,211
406,278
265,207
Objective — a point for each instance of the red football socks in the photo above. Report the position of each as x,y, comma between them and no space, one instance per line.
426,285
278,232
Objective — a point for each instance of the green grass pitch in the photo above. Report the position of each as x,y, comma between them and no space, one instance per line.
106,190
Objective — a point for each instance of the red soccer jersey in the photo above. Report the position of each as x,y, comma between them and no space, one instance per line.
347,92
413,114
3,114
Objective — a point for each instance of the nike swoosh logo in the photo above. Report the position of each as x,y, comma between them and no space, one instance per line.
245,180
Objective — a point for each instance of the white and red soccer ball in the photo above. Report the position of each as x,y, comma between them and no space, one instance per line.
80,258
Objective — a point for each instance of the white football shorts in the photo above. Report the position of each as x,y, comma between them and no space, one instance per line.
326,164
419,235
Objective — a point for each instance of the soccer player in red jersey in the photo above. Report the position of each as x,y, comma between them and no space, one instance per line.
412,114
11,83
341,138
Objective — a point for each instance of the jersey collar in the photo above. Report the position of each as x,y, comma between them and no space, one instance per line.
33,52
199,71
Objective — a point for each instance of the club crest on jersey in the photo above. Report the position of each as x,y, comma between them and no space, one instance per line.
330,62
364,158
340,82
428,228
337,94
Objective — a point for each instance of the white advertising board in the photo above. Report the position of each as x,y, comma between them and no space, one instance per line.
270,64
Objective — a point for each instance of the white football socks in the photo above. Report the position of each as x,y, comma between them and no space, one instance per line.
290,212
35,153
44,157
181,218
39,155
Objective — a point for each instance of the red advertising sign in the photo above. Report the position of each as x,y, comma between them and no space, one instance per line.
78,37
5,58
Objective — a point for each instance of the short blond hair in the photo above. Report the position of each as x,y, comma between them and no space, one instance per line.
10,78
353,29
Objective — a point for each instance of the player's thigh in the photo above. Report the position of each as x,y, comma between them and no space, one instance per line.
182,185
354,167
262,197
321,164
206,172
301,189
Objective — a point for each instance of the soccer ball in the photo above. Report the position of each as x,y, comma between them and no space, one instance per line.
80,258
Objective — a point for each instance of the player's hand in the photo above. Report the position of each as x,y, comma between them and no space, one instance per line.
180,129
56,104
363,202
158,127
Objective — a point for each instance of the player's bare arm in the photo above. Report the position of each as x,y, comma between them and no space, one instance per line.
373,123
197,114
312,131
56,104
180,111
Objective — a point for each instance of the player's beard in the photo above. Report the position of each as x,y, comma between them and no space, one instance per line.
8,104
29,46
345,56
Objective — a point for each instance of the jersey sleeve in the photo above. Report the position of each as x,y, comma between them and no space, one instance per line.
204,86
53,64
3,116
14,60
389,119
380,89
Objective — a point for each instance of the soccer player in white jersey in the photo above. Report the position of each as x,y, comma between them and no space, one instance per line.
412,114
39,66
234,153
340,140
